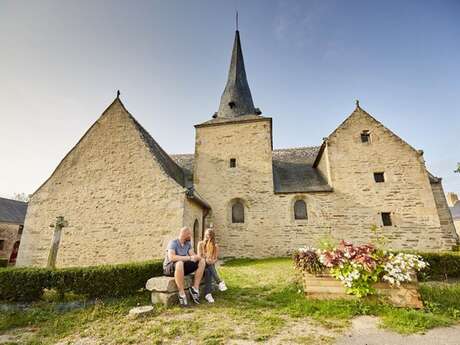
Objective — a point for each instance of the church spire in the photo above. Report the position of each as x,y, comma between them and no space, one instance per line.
236,99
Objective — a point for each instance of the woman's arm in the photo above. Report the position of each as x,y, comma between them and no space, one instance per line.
216,255
200,249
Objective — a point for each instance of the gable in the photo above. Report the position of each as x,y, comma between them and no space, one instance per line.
112,129
363,116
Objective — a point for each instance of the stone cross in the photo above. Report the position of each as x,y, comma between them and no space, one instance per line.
60,223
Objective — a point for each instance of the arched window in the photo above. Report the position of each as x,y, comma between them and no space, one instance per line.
300,210
238,212
196,235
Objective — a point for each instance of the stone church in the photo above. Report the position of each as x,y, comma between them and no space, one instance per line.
124,197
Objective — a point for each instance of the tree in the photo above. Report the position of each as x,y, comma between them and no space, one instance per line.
21,197
458,168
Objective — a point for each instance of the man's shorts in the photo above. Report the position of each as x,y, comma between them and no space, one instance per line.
189,267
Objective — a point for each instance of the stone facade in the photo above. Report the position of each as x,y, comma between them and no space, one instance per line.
120,204
454,205
418,212
124,197
9,234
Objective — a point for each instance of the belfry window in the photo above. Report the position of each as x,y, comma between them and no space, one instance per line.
365,135
300,210
386,219
232,162
238,212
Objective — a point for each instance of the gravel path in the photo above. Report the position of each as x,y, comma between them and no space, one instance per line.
365,331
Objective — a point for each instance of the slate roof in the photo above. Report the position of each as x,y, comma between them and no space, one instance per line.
12,211
293,170
455,210
165,161
241,118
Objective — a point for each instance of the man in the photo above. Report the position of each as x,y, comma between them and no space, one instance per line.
180,261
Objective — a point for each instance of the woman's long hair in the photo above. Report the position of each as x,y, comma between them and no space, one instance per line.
210,244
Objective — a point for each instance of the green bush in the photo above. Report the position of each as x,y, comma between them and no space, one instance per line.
3,262
27,284
23,284
441,265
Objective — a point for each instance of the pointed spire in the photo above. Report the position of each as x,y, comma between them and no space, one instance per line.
236,99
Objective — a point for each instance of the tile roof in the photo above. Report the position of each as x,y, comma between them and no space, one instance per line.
12,211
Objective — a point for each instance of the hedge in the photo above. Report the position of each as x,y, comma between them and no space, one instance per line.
441,265
28,284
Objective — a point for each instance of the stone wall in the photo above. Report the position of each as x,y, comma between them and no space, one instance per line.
349,212
8,233
445,217
119,203
406,192
194,213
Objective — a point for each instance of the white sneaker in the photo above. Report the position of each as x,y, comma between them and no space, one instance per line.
209,298
222,286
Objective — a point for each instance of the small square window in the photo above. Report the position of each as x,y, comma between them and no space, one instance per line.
365,136
2,244
21,228
386,219
232,162
379,177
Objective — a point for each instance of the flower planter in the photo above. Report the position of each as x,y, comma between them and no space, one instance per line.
324,286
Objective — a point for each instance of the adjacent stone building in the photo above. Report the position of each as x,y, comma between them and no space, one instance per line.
124,197
12,214
454,205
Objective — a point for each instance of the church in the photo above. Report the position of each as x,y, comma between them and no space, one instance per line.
123,197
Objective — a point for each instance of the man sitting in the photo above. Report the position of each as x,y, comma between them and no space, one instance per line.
181,260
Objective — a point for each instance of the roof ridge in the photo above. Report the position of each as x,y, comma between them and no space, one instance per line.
296,148
146,136
14,200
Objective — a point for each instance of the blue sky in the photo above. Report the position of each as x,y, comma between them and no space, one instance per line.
307,61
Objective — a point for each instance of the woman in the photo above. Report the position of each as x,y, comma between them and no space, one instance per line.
209,250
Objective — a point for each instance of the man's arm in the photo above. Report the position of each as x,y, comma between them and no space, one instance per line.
194,257
173,257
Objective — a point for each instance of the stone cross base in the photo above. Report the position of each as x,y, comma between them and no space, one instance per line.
164,289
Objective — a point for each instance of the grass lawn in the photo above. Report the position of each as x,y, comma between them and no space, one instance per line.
263,304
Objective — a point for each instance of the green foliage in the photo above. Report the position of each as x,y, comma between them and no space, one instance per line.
458,168
28,284
441,265
3,262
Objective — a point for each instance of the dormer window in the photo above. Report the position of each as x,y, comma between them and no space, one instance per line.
365,135
232,162
231,105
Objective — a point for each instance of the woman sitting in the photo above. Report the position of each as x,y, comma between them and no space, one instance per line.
209,250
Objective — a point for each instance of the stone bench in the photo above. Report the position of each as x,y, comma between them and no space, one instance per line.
164,289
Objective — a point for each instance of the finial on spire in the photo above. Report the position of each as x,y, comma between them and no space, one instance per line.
118,93
357,103
236,20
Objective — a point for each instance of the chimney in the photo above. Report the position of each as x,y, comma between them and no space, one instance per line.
452,199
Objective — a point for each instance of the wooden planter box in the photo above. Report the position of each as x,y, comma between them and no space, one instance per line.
324,286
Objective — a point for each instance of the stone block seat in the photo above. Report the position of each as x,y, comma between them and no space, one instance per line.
164,289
